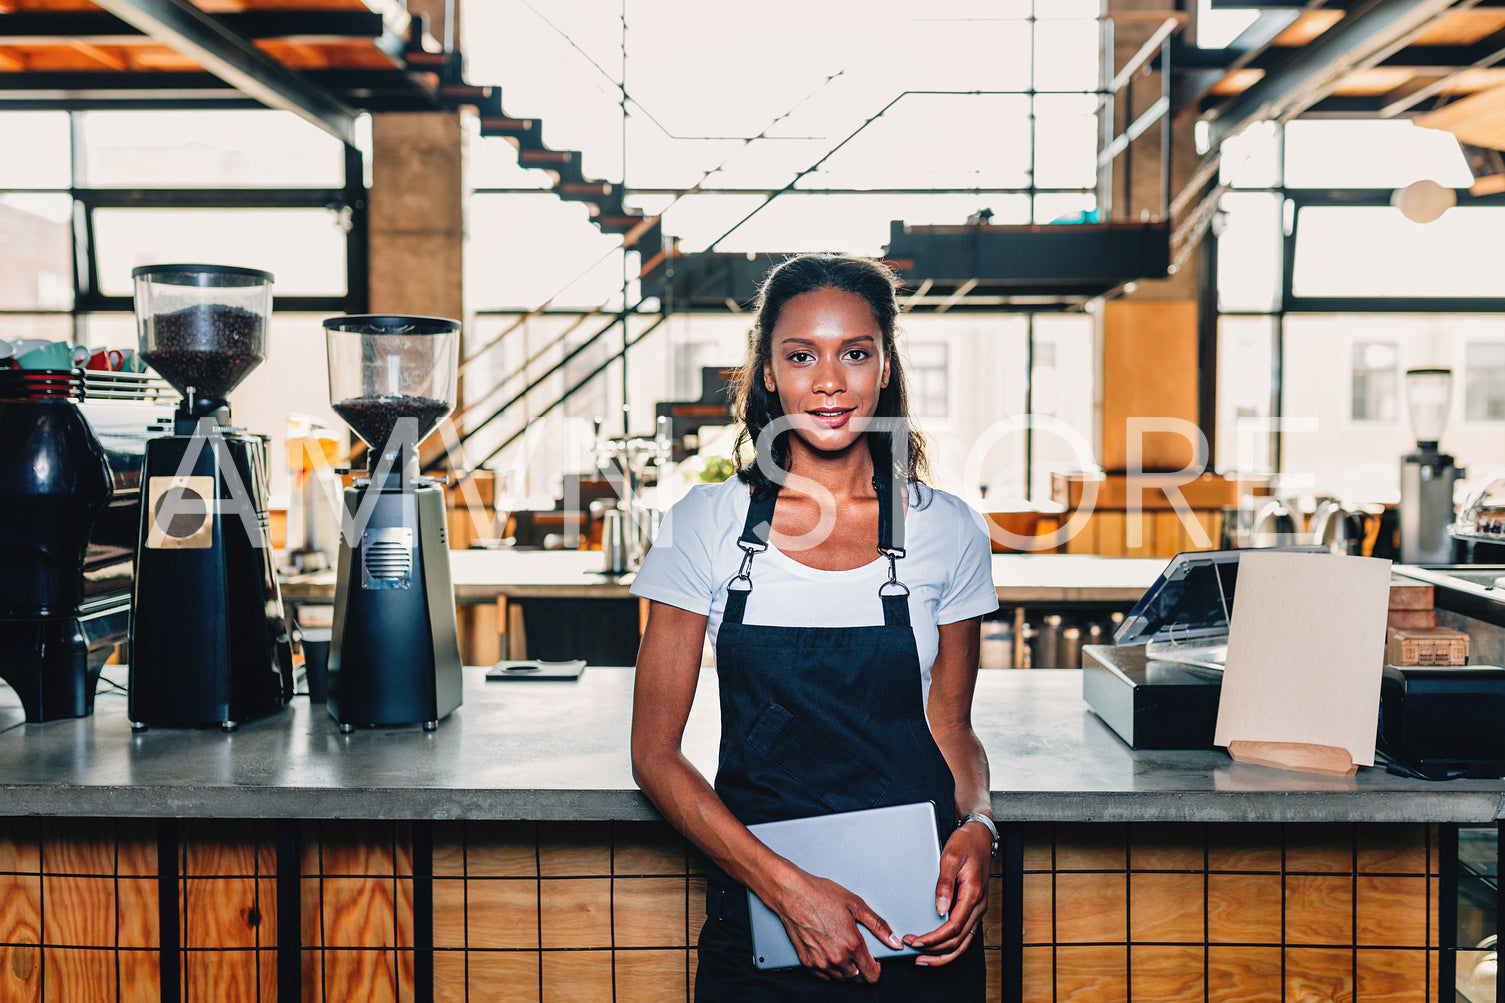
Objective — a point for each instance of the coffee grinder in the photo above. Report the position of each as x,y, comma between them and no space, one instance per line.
394,655
209,641
1427,474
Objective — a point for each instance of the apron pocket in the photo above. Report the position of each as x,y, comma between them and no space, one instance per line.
833,776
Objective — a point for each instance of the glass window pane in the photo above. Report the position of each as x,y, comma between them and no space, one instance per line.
1249,252
1484,381
1062,207
48,327
1379,153
1374,382
294,379
928,370
1062,387
1375,251
1246,370
304,249
36,252
973,451
525,249
43,136
939,141
1078,9
1252,158
1067,55
1065,141
229,149
1328,447
1217,28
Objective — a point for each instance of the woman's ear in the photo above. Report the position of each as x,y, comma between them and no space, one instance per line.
885,372
768,375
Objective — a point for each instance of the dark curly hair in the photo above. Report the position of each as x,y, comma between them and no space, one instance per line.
755,406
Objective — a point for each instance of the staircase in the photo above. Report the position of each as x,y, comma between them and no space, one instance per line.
602,199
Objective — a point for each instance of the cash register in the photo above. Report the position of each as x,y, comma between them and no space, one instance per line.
1157,685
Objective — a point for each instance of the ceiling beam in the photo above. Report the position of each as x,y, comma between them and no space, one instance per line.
188,30
1362,39
100,28
1243,50
83,90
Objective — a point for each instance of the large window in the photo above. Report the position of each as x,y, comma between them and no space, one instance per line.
97,193
1313,350
870,112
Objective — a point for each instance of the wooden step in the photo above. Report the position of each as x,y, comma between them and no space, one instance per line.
464,93
583,191
544,158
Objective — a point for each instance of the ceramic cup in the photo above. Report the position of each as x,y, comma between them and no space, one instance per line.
52,355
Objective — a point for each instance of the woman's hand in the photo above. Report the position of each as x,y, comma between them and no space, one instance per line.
963,891
821,918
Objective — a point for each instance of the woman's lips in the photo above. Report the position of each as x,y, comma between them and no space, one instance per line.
831,417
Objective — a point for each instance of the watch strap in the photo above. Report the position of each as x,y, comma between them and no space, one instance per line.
977,816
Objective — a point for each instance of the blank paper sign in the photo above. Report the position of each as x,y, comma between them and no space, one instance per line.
1306,650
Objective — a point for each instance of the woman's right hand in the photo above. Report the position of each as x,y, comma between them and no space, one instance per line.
821,918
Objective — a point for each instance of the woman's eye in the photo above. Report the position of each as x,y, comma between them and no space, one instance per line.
858,354
799,357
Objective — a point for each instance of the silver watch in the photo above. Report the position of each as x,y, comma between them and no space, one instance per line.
977,816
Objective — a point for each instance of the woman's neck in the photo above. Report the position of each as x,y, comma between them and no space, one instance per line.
848,473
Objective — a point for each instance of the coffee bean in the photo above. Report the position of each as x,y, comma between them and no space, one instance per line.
375,418
208,347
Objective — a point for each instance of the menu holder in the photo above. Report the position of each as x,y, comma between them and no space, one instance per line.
1301,686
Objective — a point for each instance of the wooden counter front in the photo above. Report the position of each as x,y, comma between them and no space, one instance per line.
508,856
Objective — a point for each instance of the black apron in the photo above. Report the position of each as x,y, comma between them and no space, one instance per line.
816,720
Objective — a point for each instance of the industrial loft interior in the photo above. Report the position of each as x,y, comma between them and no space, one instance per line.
354,352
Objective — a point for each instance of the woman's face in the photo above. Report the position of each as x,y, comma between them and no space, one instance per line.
827,364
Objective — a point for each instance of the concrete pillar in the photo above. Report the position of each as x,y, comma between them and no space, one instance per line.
417,213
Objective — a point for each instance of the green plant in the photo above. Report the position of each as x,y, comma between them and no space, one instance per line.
717,469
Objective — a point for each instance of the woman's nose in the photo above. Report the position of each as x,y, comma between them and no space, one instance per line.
828,379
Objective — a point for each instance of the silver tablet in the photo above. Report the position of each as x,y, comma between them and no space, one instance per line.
889,856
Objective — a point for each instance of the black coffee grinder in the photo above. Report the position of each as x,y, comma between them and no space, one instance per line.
394,655
209,641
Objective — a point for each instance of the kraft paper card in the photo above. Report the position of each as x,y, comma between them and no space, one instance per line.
1306,650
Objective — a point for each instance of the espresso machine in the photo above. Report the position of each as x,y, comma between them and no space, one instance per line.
209,640
394,655
72,445
1427,475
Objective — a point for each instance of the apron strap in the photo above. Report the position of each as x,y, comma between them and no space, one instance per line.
759,523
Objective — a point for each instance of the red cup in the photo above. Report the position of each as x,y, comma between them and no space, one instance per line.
105,358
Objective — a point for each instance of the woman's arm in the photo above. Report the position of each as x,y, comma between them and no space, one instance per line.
963,885
820,916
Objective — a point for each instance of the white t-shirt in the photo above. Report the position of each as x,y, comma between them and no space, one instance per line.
947,568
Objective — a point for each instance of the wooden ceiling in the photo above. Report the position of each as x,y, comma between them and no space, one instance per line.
1393,58
316,38
1379,58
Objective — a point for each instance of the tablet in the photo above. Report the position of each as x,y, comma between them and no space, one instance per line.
535,669
889,856
1192,600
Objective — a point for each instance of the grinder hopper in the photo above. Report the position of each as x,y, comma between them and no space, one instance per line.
203,328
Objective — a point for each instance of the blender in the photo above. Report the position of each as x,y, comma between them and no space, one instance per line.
1427,474
209,641
394,655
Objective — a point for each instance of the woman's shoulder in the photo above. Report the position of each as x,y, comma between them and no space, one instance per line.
712,504
944,512
938,503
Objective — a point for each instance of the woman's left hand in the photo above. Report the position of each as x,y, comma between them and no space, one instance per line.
963,891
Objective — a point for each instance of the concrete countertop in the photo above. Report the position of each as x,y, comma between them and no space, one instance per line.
558,751
483,575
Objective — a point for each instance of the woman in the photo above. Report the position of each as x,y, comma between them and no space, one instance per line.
837,692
